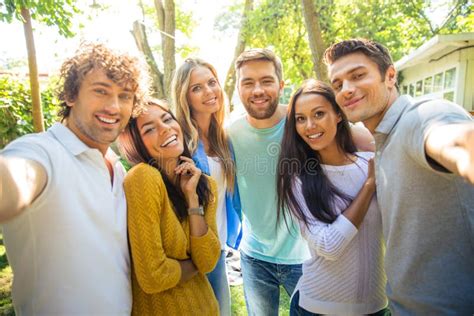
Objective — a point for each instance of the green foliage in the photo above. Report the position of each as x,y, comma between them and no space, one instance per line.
50,12
16,117
185,24
279,25
461,19
398,24
6,277
228,21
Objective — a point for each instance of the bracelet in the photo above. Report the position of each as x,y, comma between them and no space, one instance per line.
196,210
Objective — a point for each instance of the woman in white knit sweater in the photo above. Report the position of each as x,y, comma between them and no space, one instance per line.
329,187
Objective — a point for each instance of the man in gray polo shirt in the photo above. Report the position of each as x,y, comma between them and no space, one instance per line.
425,171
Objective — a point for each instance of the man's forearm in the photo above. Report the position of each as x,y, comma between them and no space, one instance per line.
452,146
21,181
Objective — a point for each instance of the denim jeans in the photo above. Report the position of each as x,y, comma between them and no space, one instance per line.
220,285
297,310
262,282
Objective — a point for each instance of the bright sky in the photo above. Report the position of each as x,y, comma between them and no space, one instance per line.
113,26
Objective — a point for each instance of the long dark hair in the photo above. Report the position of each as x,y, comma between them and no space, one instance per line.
299,161
131,146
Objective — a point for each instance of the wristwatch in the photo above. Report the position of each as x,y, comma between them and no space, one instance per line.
196,210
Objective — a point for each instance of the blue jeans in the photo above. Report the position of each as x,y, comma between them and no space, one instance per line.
297,310
220,285
262,282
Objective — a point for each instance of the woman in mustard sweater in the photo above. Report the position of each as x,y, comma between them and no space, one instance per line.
171,219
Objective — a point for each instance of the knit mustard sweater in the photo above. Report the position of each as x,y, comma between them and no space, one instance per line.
158,240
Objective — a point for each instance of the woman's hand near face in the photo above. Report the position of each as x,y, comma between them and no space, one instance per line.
189,179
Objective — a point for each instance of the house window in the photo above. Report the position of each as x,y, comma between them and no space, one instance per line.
449,84
405,89
449,78
419,88
440,85
438,82
428,85
449,96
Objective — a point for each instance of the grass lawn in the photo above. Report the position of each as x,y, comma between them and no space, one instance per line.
238,301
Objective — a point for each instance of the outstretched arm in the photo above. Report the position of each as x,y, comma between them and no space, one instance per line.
21,182
452,146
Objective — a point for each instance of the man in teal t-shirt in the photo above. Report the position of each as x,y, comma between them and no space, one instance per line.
271,254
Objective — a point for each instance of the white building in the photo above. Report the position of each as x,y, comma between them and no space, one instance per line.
443,67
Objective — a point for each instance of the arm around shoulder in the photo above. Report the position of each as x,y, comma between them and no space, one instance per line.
330,240
21,182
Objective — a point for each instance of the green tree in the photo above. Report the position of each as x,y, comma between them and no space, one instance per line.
279,24
398,24
51,12
229,84
15,109
168,18
315,38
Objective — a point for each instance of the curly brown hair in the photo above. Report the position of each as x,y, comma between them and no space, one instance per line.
123,69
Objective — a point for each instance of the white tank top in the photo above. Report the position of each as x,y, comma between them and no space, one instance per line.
217,173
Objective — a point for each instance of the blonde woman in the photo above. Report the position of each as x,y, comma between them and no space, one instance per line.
199,104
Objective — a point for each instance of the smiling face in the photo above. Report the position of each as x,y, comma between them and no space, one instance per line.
100,111
204,93
259,88
361,92
161,134
316,122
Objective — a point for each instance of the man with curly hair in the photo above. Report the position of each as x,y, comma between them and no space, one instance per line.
61,199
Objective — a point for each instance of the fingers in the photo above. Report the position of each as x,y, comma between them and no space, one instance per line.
371,168
186,159
187,167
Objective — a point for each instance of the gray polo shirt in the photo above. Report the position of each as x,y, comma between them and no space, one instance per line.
427,214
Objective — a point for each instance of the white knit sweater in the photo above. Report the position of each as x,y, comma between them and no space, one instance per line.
345,274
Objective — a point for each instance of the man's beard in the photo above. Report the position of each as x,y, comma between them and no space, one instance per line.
262,114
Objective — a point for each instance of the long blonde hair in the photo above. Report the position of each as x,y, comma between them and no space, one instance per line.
217,137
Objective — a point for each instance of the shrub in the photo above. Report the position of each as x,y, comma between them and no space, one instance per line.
16,117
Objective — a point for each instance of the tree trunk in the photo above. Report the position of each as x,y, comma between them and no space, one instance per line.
38,122
229,84
315,39
167,24
141,40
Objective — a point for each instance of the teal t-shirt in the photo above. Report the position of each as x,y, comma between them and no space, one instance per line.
256,153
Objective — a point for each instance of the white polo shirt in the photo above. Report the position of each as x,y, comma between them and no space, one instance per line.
69,249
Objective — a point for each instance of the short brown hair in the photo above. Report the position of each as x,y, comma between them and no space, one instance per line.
123,69
378,53
260,54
